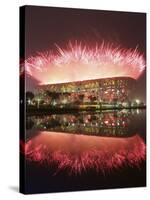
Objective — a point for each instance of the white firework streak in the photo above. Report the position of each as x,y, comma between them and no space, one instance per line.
100,160
82,62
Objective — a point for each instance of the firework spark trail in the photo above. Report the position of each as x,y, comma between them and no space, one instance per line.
100,154
80,62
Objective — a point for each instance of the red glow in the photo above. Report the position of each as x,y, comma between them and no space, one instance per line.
87,152
79,62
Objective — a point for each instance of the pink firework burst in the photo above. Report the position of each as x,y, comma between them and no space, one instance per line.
102,154
79,62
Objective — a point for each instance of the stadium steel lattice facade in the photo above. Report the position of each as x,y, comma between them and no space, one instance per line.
106,91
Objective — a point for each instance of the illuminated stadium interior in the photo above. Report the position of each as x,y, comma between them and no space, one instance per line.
107,90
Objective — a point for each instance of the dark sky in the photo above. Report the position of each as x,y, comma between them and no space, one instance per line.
46,26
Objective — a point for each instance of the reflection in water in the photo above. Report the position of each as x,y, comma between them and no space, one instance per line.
115,123
79,142
78,153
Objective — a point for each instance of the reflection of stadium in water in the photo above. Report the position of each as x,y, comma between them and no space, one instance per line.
78,144
115,123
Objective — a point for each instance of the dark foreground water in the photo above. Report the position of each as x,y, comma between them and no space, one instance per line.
88,150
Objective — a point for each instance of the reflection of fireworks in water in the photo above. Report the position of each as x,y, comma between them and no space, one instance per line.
80,62
97,153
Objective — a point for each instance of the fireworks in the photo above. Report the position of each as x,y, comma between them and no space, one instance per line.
79,62
89,152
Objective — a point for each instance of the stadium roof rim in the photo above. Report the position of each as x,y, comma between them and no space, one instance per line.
89,80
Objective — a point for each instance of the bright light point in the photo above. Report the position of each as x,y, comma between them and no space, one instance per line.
29,101
80,62
64,101
137,101
54,103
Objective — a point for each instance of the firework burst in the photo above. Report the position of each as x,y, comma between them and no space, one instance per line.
79,62
89,152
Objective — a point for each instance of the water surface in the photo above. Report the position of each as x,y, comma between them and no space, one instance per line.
87,150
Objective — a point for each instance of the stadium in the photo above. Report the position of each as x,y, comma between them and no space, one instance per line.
98,92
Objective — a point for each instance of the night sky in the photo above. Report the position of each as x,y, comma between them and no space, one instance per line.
46,26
